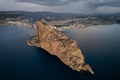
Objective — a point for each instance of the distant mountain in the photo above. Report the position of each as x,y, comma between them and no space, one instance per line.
37,15
50,15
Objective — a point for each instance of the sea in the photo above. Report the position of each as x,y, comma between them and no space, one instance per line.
100,46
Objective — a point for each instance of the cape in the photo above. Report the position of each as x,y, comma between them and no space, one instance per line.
59,44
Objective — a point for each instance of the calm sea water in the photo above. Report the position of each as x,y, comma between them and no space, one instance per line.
100,46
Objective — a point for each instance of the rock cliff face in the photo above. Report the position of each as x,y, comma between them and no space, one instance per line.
58,44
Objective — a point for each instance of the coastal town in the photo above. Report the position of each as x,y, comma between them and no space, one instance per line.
60,21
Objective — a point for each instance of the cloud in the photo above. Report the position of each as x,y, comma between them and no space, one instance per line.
103,6
101,3
50,2
90,3
70,6
108,9
7,5
12,5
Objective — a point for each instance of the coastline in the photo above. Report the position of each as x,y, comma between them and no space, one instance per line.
58,28
30,26
65,28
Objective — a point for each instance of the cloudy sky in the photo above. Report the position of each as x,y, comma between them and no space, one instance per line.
69,6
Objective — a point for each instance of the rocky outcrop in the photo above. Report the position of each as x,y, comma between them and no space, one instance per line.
58,44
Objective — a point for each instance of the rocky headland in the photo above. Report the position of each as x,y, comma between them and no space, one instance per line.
58,44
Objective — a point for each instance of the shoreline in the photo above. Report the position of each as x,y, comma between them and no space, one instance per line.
58,28
17,25
65,28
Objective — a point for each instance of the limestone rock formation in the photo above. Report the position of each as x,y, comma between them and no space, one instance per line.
58,44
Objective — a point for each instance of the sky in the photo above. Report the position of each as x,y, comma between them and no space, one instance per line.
68,6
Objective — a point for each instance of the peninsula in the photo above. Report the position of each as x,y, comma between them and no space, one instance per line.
58,44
